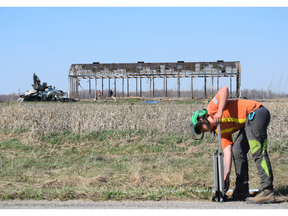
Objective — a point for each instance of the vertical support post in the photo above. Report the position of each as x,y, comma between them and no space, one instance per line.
163,86
150,85
178,84
153,87
212,83
127,86
109,85
115,86
191,86
205,82
166,86
238,80
238,94
68,87
231,86
69,83
77,92
205,90
218,81
75,87
123,86
95,88
102,87
140,86
136,86
89,88
72,88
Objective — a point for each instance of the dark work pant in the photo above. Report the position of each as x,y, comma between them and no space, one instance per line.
254,137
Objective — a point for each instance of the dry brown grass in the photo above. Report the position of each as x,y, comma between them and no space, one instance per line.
140,166
44,117
83,117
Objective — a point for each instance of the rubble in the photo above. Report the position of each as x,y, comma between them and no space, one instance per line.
42,92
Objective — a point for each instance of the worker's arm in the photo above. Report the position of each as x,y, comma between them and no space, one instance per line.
227,165
223,95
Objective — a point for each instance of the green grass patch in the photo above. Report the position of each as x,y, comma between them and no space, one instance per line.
278,147
5,131
115,165
13,144
21,130
281,190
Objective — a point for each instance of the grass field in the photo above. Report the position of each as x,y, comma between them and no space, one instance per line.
55,151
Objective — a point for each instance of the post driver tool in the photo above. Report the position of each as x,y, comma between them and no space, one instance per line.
219,193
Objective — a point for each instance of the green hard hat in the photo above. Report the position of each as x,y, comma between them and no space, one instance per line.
194,120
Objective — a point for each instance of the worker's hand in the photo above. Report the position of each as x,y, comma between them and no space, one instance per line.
226,185
218,117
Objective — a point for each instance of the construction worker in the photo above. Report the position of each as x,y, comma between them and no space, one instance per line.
251,119
99,93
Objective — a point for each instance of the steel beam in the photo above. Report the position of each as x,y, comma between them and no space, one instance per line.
178,85
89,89
128,87
136,87
102,93
163,86
96,88
238,88
150,86
109,86
205,89
170,75
77,92
218,81
123,87
191,87
153,86
166,93
212,86
140,86
231,87
115,86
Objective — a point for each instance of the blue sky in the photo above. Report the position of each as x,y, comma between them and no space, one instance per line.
47,40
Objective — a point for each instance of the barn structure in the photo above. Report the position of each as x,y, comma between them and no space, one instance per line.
140,70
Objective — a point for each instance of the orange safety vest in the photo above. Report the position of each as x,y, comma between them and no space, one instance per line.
234,116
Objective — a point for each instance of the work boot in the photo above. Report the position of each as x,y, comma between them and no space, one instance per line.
265,196
241,191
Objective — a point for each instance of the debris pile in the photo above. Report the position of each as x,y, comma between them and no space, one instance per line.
42,92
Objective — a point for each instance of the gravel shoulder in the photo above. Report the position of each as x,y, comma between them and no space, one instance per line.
135,205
